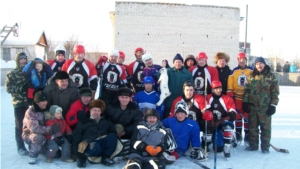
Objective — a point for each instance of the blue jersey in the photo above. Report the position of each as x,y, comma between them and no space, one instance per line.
184,133
148,100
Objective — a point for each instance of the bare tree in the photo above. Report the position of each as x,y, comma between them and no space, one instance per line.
49,50
69,45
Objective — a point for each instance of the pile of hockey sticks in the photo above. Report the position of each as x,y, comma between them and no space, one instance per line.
275,148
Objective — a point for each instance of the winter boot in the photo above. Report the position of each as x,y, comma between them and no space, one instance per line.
170,159
238,137
81,163
32,160
251,148
265,151
226,150
107,161
246,140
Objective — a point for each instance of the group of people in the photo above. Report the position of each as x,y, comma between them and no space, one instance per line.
107,112
287,68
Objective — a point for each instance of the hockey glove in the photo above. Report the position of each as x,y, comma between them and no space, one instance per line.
197,153
271,110
59,140
81,117
232,115
246,107
207,115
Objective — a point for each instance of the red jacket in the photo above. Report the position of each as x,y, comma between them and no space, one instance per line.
64,127
71,116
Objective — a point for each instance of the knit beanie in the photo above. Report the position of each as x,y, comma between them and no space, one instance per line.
21,55
54,108
178,57
40,96
260,59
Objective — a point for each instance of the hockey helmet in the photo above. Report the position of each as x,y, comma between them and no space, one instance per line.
241,55
202,55
122,55
215,84
146,56
78,49
60,49
139,49
147,80
114,52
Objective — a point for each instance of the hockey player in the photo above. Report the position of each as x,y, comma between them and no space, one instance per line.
224,113
221,59
135,70
201,72
185,131
82,71
148,98
58,62
151,69
114,77
235,89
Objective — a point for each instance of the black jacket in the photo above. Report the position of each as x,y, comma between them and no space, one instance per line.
223,77
128,118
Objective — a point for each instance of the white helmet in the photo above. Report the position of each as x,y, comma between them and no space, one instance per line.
60,49
114,52
146,56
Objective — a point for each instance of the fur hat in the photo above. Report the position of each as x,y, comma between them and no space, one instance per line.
151,112
181,107
178,57
97,103
260,59
85,91
54,108
40,96
192,57
124,91
61,75
221,55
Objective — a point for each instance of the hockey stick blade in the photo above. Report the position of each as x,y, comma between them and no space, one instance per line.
280,149
194,161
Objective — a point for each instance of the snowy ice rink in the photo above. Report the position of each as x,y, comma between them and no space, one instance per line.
285,134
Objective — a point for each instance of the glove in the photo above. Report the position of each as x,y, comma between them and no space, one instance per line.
70,139
197,153
246,107
81,117
59,140
153,151
102,59
207,115
232,116
271,110
30,92
55,128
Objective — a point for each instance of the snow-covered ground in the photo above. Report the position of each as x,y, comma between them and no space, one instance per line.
285,134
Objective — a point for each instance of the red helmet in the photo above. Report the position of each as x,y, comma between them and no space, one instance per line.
139,49
202,55
215,84
122,55
78,49
241,55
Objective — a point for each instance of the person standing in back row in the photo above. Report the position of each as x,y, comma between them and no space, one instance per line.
135,71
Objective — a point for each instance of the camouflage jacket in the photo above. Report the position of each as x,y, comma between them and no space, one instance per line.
261,89
16,84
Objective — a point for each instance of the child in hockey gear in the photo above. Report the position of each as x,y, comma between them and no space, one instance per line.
148,98
151,69
54,116
147,143
223,110
185,131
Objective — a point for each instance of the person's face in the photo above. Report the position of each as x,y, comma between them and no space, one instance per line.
217,91
178,64
22,62
86,99
201,62
95,112
113,59
221,63
120,60
151,120
149,62
42,104
148,87
188,92
180,116
163,64
58,115
138,55
190,62
124,100
62,83
260,66
242,62
39,67
78,57
60,57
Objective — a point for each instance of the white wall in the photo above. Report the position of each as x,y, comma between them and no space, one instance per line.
165,29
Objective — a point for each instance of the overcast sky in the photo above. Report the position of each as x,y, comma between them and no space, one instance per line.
276,22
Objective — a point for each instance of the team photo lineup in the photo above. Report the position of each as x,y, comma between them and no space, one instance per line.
146,114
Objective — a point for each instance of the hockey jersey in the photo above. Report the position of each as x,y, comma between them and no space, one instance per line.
221,106
113,77
55,65
152,71
135,70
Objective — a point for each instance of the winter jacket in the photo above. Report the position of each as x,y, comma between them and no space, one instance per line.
175,83
63,126
62,98
262,89
71,116
128,118
223,77
144,135
16,84
55,65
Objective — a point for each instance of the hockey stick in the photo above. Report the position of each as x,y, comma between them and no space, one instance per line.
193,160
205,97
275,148
215,152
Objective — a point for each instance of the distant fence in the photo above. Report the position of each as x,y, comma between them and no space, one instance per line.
285,79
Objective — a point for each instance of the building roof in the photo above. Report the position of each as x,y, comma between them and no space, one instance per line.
26,38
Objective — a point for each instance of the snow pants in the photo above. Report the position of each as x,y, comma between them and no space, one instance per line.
52,148
35,142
